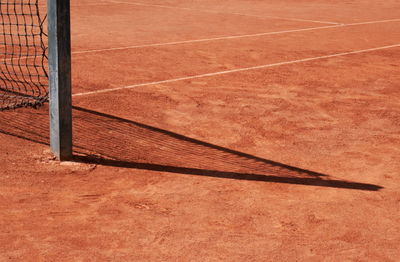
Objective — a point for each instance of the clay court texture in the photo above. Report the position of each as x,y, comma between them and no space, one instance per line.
205,130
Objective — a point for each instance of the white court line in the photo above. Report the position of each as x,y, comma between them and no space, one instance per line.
232,37
229,13
235,70
374,22
204,39
223,37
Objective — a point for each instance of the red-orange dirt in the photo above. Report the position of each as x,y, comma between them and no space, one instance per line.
237,131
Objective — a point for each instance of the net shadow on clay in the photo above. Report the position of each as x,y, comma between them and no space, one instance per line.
108,140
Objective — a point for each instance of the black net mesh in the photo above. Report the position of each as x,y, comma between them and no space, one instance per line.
23,54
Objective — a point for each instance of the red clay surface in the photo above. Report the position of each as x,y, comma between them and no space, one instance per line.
295,161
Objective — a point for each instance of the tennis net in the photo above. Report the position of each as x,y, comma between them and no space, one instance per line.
23,54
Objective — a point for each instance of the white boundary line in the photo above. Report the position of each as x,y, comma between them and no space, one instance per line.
224,37
236,70
228,13
204,39
233,37
374,22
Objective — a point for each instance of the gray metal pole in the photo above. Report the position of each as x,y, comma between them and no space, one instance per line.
60,78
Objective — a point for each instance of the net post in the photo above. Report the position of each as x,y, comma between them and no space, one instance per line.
60,100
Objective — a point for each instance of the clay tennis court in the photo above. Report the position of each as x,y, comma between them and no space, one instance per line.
215,131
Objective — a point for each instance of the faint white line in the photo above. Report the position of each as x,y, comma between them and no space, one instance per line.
233,37
229,13
236,70
204,39
220,38
374,22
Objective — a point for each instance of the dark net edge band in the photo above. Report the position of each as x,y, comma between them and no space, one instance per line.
23,55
